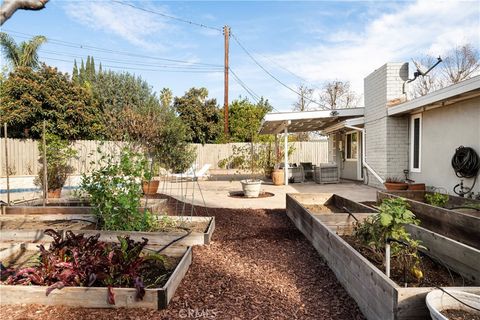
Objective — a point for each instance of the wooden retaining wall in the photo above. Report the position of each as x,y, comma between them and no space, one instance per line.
378,297
96,297
452,224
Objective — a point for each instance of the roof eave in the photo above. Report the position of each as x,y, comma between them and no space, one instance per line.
461,91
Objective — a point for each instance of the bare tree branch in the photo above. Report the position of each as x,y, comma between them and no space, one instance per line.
8,7
338,95
461,63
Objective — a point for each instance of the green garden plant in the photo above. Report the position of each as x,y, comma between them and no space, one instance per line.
437,199
388,225
115,192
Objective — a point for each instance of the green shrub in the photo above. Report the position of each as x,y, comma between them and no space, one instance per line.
389,223
437,199
58,152
115,192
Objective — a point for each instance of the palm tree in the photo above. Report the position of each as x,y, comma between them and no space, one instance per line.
24,54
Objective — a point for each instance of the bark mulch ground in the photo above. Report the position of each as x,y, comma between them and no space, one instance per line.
259,266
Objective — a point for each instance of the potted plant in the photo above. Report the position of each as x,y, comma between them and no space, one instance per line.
58,152
251,187
395,183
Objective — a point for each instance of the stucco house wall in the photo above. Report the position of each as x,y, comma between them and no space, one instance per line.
443,130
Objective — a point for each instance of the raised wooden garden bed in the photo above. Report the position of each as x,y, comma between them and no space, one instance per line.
457,225
378,296
94,297
30,228
69,206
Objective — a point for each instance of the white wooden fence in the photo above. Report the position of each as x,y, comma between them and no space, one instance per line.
23,154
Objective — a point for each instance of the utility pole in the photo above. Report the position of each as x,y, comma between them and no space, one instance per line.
226,33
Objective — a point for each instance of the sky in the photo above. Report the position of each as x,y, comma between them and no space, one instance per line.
296,42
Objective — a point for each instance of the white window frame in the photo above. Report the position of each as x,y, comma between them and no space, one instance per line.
412,137
346,145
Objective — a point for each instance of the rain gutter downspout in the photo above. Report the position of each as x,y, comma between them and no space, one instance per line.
365,164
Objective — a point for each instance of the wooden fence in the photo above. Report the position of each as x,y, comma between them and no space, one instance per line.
23,154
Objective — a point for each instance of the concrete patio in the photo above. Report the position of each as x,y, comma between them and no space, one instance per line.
216,193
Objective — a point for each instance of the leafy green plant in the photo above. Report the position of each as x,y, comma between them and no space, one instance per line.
85,261
437,199
115,192
58,153
389,225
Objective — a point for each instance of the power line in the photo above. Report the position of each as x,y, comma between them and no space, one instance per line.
270,74
255,96
252,93
99,49
140,69
129,62
168,16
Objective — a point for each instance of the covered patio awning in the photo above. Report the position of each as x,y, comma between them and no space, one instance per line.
306,121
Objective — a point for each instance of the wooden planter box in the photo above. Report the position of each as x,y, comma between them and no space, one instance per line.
95,297
154,238
377,296
68,206
456,225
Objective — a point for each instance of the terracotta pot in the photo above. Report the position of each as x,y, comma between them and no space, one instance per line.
278,177
150,188
54,193
396,185
416,186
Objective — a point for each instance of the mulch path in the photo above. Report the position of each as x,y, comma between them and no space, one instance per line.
259,266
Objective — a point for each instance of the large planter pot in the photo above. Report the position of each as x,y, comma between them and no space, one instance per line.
278,177
54,193
396,185
251,188
151,187
416,186
437,300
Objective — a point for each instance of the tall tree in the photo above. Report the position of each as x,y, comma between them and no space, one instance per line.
75,72
166,97
461,63
303,104
338,95
304,99
31,96
201,115
81,73
24,54
245,119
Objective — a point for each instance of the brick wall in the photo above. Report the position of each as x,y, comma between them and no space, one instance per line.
386,137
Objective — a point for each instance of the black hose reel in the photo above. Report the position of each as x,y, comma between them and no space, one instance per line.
466,164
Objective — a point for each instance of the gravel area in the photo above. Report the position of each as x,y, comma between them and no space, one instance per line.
257,267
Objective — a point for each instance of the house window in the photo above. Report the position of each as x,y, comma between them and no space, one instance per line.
351,145
415,142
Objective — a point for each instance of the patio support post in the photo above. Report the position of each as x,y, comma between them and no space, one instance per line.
285,152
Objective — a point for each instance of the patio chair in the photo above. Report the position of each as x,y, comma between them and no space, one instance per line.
193,174
308,169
